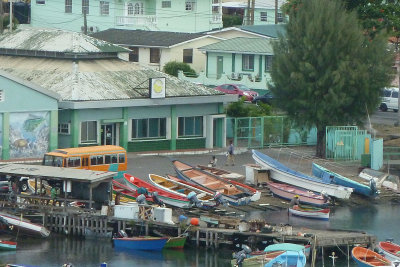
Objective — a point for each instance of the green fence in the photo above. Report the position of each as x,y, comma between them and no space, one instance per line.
258,132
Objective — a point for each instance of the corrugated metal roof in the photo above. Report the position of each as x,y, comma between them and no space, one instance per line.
54,40
241,45
91,80
145,38
271,30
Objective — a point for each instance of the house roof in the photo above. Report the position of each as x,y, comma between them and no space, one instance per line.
55,40
145,38
241,45
271,30
262,4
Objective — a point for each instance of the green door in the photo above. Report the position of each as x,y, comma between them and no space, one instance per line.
220,66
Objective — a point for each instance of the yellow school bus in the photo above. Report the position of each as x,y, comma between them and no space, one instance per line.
97,158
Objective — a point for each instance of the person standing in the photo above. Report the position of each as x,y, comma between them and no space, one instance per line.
294,202
230,154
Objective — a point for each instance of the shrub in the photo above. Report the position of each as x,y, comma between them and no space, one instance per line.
173,67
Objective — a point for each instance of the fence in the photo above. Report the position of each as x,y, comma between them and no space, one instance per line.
259,132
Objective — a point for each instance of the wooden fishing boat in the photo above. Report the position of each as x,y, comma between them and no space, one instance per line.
127,194
234,194
222,173
166,196
282,173
259,260
8,245
177,242
390,250
335,178
368,258
310,212
24,225
141,243
305,196
289,259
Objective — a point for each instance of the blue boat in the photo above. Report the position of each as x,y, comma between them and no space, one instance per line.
335,178
141,243
289,259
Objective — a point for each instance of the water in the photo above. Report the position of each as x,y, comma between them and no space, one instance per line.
380,220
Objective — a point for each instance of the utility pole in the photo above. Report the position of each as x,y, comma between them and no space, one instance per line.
276,11
84,21
253,3
248,13
1,16
11,15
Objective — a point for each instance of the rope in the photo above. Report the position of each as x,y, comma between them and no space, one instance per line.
340,249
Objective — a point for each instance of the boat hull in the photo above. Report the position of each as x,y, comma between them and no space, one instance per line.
305,197
281,173
368,258
317,214
141,243
25,226
8,245
390,250
338,179
176,242
290,258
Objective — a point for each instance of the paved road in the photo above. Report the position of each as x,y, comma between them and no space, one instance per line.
386,118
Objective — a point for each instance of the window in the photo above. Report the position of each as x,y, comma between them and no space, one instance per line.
263,16
130,9
97,160
134,54
104,8
188,55
149,128
247,62
1,95
190,5
40,2
190,126
154,55
68,6
280,17
166,4
64,128
137,9
89,132
109,159
74,162
121,158
268,63
85,6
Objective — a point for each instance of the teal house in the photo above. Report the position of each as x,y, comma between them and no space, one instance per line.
66,89
156,15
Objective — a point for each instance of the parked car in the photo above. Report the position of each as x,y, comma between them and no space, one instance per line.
266,98
390,99
238,89
4,185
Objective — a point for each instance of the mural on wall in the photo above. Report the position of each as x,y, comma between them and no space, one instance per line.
1,134
29,134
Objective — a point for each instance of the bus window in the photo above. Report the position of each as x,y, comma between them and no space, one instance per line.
96,160
107,159
121,158
93,160
74,162
52,161
84,162
114,158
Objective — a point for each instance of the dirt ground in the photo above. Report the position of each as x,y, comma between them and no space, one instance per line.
390,134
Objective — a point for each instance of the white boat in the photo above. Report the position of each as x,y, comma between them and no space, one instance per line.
24,225
310,212
282,173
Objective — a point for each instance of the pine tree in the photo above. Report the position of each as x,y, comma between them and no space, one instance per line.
326,70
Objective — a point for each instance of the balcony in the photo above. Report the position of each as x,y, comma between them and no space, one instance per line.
216,18
138,20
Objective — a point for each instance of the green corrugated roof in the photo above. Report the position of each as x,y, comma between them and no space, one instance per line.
241,45
272,30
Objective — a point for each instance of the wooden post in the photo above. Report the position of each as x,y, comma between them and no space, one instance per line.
206,238
197,238
119,226
146,228
216,241
314,252
348,255
179,231
90,196
322,251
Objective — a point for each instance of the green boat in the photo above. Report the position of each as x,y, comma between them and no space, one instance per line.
176,242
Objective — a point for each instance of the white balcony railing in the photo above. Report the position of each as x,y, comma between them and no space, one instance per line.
150,21
216,18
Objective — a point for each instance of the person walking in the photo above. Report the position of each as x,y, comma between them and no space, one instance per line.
230,154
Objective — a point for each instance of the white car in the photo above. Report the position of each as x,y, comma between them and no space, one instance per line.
390,99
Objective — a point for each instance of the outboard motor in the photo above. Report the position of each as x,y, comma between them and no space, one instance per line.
220,200
372,185
325,196
396,263
194,200
156,199
141,199
122,233
241,255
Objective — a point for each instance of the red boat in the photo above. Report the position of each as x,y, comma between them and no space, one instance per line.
390,250
368,258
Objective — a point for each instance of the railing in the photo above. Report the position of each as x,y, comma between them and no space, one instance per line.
391,155
216,18
136,21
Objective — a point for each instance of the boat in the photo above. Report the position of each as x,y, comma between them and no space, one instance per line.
288,192
289,247
8,245
24,225
140,243
367,258
167,197
259,260
289,259
335,178
282,173
310,212
222,173
177,242
232,193
390,250
126,194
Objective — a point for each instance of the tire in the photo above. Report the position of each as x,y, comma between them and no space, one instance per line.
24,187
383,107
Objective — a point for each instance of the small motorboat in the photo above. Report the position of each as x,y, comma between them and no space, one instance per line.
288,258
176,242
367,258
259,260
24,225
310,212
8,245
221,173
139,243
390,250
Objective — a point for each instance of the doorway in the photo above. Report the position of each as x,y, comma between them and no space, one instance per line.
109,134
220,66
